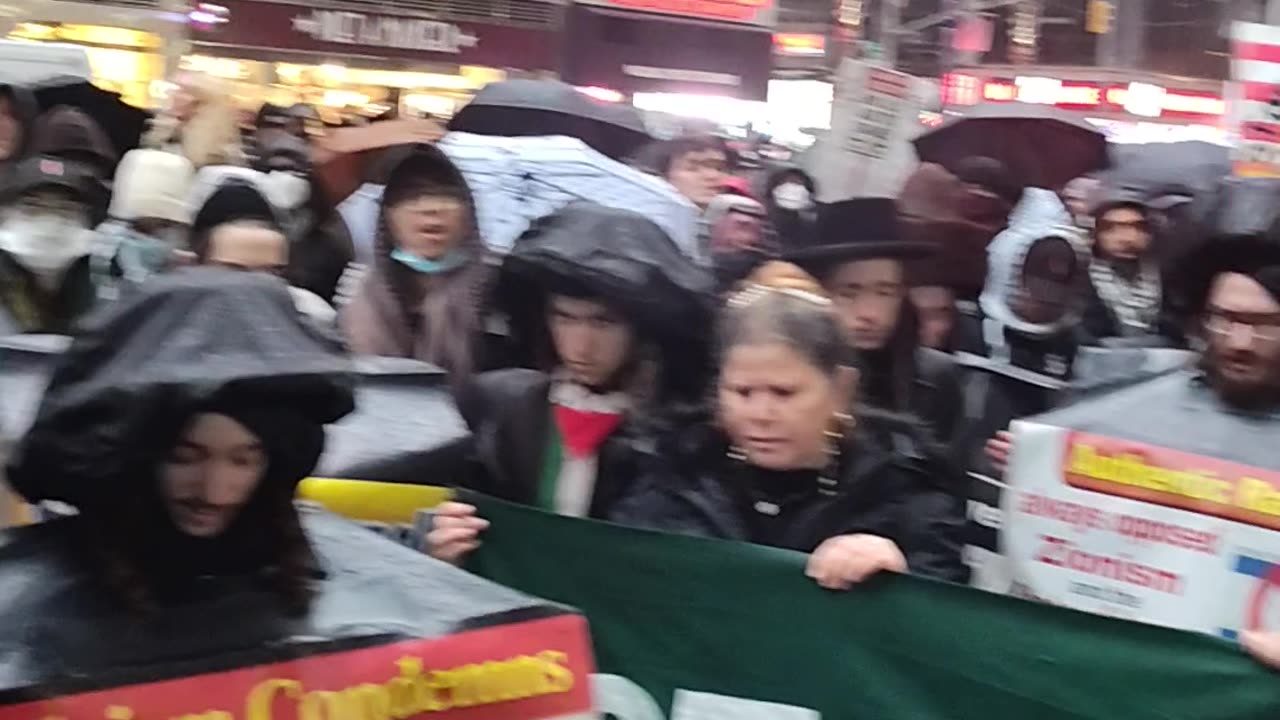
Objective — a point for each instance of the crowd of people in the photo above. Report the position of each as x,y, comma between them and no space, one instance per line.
827,381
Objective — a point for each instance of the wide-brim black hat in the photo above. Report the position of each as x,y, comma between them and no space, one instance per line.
1255,255
858,229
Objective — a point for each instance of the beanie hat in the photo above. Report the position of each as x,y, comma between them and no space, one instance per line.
67,133
152,184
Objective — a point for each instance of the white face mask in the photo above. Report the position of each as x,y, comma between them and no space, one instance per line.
792,196
45,244
286,190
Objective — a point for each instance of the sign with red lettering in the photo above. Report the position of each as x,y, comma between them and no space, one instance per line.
532,670
762,13
1142,532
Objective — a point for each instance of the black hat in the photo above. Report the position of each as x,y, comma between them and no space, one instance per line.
234,200
858,229
39,172
1256,255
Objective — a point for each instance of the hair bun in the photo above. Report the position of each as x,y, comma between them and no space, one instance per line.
781,275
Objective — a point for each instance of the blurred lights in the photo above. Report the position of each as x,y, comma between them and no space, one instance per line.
602,94
1141,99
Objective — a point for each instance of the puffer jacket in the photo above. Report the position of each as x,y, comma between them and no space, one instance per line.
690,484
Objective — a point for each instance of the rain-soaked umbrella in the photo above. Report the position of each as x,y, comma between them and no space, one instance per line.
517,180
189,339
403,407
550,107
123,123
1041,145
1167,174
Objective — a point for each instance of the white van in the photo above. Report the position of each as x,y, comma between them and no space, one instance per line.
27,63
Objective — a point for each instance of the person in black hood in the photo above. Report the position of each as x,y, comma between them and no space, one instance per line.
198,444
610,357
18,112
783,464
862,262
320,244
790,197
425,296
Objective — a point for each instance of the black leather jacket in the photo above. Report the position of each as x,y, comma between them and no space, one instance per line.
690,485
508,413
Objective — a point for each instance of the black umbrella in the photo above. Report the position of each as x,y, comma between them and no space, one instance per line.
123,123
1041,145
403,407
549,107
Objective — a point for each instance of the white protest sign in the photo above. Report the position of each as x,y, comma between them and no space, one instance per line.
1142,532
868,152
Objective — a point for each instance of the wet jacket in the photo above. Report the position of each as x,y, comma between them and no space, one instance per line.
59,626
508,414
689,484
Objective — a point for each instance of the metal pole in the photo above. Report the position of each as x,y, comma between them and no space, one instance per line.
890,31
1273,12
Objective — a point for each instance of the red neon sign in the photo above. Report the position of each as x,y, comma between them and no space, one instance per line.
746,11
967,90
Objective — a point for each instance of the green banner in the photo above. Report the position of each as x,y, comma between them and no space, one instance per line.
677,614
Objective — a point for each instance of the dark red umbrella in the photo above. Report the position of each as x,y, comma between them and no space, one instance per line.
1041,145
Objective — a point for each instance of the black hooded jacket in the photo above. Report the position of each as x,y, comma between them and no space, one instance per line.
690,484
641,272
795,229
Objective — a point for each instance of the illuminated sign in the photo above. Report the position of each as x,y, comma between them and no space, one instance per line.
800,44
87,35
404,33
751,12
1140,99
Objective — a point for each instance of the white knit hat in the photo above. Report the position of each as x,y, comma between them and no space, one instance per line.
152,184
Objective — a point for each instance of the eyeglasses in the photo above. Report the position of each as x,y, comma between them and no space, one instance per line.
1262,327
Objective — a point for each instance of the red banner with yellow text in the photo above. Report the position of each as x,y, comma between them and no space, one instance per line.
532,670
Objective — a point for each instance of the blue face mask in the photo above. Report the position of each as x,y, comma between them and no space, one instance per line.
453,260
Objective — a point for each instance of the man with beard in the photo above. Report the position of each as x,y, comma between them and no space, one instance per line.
1127,304
1241,326
46,211
614,314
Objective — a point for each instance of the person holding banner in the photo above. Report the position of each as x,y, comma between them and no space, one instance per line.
197,445
784,464
612,312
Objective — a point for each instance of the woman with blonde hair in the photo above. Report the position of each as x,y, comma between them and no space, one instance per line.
780,461
199,122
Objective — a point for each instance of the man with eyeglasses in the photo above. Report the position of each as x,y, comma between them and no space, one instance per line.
1241,321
